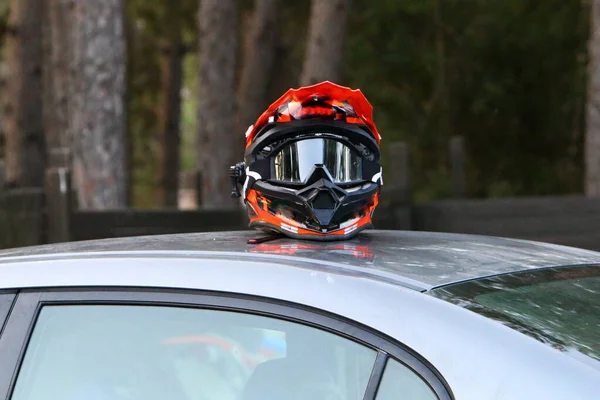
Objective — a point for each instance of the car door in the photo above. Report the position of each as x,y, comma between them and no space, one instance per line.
143,344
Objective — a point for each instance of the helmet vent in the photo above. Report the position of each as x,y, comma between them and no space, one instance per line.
323,201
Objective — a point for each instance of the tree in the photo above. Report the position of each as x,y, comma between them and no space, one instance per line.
22,103
592,137
260,50
57,58
217,136
170,108
98,115
325,46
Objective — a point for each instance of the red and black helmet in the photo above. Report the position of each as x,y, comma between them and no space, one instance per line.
312,167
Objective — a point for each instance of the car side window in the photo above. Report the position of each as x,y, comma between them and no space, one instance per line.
400,382
137,352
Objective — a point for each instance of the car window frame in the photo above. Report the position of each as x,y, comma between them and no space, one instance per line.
28,304
15,336
7,300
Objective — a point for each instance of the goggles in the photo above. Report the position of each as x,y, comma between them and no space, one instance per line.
295,162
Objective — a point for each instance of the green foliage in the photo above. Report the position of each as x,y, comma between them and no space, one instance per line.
508,75
149,28
144,90
189,104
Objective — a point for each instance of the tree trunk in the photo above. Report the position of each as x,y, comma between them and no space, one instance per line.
592,138
23,104
217,137
325,46
98,115
170,110
260,51
57,57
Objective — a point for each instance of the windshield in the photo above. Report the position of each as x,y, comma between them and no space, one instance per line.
560,307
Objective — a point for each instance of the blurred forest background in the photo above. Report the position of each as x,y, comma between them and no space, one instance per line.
147,89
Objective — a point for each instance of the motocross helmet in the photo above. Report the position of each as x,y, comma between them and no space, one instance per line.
311,166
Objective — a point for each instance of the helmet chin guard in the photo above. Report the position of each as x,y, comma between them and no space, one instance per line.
312,168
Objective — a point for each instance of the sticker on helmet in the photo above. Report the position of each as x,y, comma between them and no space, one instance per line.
350,229
249,130
378,177
289,228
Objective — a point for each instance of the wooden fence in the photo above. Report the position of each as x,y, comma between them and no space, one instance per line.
106,224
35,216
568,220
21,218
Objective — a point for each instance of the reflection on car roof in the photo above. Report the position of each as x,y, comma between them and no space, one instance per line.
430,258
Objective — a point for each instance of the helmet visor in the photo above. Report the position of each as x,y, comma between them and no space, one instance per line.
296,161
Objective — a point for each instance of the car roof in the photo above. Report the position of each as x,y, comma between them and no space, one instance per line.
418,260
